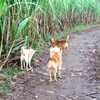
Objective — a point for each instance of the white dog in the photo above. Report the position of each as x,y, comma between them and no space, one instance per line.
26,56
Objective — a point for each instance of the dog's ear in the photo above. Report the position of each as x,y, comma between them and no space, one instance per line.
22,48
52,40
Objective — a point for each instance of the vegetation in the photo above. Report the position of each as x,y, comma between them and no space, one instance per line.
9,79
39,20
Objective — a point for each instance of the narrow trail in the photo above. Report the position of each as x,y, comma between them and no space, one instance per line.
76,82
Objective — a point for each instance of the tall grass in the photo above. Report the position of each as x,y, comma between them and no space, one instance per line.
38,18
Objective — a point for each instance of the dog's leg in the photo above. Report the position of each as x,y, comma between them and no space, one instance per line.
27,62
67,49
24,64
30,64
50,70
55,72
27,65
21,64
59,69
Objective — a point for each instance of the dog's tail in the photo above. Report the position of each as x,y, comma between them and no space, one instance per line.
50,62
67,38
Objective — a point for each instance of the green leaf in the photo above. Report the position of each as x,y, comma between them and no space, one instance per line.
2,4
21,26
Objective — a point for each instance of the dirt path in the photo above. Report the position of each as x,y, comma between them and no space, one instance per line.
76,82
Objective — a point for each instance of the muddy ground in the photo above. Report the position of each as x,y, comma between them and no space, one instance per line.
80,73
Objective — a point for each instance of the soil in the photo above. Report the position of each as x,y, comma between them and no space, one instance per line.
80,73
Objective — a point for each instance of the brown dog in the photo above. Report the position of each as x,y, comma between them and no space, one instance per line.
61,44
54,62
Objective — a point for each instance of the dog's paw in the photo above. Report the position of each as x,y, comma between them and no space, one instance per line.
30,69
55,80
59,76
50,80
27,70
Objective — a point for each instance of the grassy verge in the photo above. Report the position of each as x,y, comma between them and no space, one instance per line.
9,79
78,28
